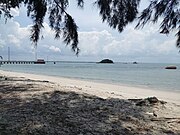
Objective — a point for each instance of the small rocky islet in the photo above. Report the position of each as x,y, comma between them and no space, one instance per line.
106,61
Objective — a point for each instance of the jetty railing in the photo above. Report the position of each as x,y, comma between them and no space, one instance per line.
16,62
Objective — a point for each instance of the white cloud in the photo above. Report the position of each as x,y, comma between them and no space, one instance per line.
98,43
91,42
14,12
54,49
131,42
2,42
13,39
165,47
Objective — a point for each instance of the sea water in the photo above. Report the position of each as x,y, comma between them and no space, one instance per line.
146,75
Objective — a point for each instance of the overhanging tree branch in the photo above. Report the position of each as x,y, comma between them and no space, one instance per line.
168,11
116,13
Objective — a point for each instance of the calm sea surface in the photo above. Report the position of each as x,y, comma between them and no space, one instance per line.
152,76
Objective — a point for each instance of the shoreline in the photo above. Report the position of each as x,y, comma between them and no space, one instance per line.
153,77
103,90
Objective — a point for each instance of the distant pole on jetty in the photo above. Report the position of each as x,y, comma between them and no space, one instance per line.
8,53
36,56
47,58
35,53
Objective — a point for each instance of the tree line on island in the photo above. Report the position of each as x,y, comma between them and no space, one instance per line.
116,13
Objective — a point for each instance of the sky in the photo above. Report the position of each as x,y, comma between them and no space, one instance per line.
96,40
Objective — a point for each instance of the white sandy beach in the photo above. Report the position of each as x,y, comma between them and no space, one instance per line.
102,90
31,104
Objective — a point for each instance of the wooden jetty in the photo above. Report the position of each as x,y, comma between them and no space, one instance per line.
18,62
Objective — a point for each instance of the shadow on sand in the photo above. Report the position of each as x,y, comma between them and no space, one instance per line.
68,113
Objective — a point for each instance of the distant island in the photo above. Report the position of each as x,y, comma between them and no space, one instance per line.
135,62
106,61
